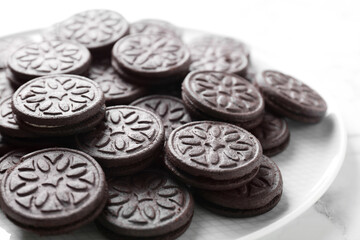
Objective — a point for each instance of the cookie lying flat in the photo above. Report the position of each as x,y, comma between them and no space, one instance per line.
98,30
213,155
148,205
290,97
53,191
220,96
117,91
127,141
171,110
59,105
215,53
273,134
258,196
39,59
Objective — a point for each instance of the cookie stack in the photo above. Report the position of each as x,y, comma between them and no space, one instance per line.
109,147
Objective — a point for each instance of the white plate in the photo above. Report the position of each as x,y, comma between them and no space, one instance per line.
309,165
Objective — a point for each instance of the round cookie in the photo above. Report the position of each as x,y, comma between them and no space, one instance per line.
211,95
11,159
8,124
290,97
215,53
171,110
148,205
98,29
258,196
53,191
273,134
38,59
210,154
127,141
151,56
154,26
57,100
116,90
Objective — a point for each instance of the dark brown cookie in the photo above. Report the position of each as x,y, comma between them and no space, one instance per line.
6,89
273,134
215,53
151,56
116,90
258,196
11,159
211,95
148,205
54,191
290,97
127,141
38,59
4,146
171,110
8,124
97,30
154,26
213,152
38,143
57,100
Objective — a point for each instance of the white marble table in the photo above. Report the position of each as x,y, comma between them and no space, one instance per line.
317,41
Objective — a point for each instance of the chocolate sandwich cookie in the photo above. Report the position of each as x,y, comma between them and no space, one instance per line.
171,110
217,53
148,205
11,159
213,155
43,58
154,26
6,89
258,196
290,97
97,29
59,101
273,134
117,91
127,141
53,191
211,95
151,56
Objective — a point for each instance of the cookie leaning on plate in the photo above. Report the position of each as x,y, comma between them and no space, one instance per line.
213,155
53,191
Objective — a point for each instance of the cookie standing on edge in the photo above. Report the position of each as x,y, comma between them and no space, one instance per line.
117,91
127,141
290,97
59,105
98,30
39,59
258,196
213,155
211,95
148,205
171,110
273,134
53,191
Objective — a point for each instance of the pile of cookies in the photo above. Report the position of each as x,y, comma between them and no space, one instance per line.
124,123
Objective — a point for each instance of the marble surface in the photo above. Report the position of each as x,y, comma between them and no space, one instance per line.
317,41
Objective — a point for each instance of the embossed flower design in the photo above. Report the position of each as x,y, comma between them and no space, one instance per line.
293,89
48,56
152,52
7,113
124,131
225,91
218,146
145,199
52,183
57,96
110,82
93,27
